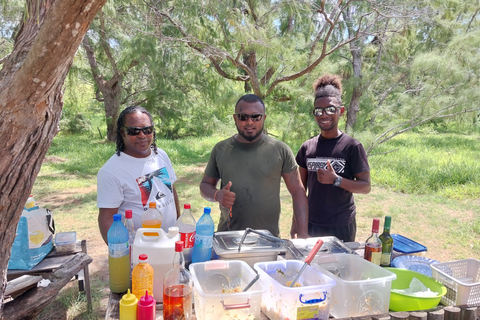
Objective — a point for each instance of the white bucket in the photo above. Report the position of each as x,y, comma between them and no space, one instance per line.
160,251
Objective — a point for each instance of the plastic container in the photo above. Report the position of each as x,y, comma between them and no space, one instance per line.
146,308
406,245
65,241
128,306
362,289
212,277
462,280
202,250
118,256
131,233
404,302
186,226
152,218
309,301
142,277
160,250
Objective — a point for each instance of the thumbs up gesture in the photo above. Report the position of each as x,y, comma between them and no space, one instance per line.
225,197
327,175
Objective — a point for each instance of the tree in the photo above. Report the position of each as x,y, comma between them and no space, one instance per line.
31,83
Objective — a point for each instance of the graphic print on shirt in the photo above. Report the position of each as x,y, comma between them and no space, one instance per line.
338,164
146,184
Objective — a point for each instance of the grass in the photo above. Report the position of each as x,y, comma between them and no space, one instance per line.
429,186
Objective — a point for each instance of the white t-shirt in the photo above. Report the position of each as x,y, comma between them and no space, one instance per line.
125,182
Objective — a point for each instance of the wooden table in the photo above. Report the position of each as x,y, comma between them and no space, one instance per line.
57,267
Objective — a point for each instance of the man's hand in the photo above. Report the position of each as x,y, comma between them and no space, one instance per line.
225,197
326,176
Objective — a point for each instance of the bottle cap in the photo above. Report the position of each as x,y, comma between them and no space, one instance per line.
143,257
376,225
388,222
146,300
186,206
128,214
207,210
152,205
178,246
129,298
117,217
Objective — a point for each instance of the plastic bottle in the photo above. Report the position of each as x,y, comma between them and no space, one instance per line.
146,307
186,226
128,306
131,233
30,204
142,277
387,243
177,288
152,218
373,245
118,256
202,249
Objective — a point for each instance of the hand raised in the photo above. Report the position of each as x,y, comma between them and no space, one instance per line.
327,175
225,197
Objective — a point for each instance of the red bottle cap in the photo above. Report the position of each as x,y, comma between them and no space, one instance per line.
128,214
143,257
178,246
376,225
186,206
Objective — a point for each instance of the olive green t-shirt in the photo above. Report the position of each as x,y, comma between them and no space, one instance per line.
255,170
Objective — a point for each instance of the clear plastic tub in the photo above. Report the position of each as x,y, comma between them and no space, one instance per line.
217,290
462,280
65,241
362,289
311,300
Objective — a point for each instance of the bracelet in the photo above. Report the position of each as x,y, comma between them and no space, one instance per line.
215,196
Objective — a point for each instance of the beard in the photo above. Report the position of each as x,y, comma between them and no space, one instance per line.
249,137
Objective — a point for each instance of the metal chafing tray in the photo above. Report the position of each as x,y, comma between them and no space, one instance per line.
254,248
330,245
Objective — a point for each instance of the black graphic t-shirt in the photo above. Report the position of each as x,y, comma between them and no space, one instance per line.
328,205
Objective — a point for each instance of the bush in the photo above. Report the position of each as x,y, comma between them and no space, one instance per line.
78,124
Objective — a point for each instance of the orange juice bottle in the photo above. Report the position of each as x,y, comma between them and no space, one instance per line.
142,277
152,218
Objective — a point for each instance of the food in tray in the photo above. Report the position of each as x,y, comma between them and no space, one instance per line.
232,290
296,285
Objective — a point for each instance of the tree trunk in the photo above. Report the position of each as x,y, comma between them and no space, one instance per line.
31,101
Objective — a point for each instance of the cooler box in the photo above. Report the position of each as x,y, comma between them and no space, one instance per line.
362,289
309,301
217,287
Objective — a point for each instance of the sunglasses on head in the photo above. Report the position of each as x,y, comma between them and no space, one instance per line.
244,117
330,110
135,131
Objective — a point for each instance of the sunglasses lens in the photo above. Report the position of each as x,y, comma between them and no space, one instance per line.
147,130
256,117
318,112
331,110
244,117
133,131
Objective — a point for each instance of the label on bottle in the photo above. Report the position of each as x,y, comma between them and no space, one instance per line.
118,250
203,241
188,239
385,260
376,257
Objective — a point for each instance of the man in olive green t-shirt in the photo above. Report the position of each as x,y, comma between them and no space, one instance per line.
250,165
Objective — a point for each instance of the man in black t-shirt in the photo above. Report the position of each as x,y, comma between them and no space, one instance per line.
333,166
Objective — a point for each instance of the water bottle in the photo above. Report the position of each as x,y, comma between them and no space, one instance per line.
186,226
152,218
142,277
118,256
131,233
202,250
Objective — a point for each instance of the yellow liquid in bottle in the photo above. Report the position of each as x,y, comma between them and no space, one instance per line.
151,224
119,273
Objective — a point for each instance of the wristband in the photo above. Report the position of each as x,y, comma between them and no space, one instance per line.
215,196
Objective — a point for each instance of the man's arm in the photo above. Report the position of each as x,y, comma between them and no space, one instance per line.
208,190
300,204
361,183
105,220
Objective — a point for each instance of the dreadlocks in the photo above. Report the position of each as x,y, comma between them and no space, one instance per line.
121,123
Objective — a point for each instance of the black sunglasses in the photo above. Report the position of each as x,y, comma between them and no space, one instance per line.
244,117
330,110
134,131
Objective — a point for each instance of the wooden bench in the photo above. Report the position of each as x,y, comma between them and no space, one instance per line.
57,267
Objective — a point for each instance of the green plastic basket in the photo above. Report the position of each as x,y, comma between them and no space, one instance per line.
403,302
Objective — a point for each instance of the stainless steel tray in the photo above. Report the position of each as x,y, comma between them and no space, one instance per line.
330,245
226,244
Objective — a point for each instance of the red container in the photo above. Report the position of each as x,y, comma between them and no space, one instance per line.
146,307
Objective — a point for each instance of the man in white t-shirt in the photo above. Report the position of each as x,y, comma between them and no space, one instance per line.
137,174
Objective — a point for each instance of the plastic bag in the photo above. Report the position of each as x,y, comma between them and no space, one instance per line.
34,239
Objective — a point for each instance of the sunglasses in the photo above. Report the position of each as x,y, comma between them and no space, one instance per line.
331,110
134,131
244,117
